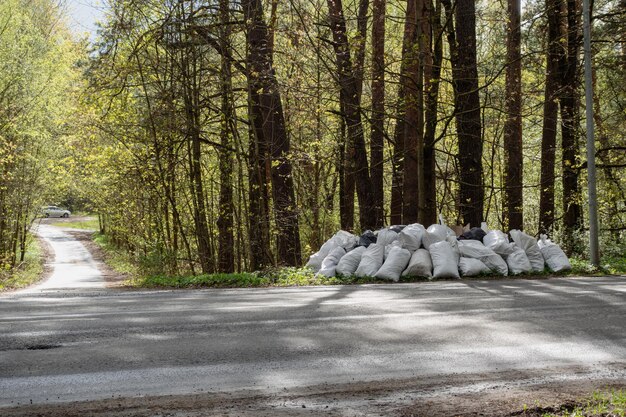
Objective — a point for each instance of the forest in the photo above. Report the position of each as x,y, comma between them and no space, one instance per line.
227,136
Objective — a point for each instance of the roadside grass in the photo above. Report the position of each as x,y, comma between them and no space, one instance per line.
91,224
600,404
28,272
116,258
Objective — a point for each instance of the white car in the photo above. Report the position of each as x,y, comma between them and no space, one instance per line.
53,211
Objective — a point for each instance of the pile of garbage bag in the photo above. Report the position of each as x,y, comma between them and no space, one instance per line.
436,252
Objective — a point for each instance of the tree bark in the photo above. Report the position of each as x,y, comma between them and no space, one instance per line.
397,167
432,75
467,111
554,11
225,220
570,121
514,158
377,138
349,96
269,111
411,78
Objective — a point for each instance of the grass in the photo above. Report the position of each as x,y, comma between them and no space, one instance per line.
91,224
274,277
116,258
28,272
604,403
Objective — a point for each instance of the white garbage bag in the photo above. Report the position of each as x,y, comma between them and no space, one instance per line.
555,258
371,261
475,249
420,265
436,233
330,262
529,245
411,236
498,242
445,261
518,262
470,267
395,244
350,262
342,238
385,237
395,263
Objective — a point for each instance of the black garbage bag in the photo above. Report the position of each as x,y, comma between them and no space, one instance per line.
475,233
367,238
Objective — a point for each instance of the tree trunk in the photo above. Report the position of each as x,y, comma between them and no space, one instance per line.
411,78
351,106
432,74
572,210
262,81
225,220
514,204
259,221
397,167
377,139
554,12
346,182
467,111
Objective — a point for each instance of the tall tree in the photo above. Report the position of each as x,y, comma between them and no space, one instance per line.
377,138
570,121
411,79
554,12
268,112
356,154
514,157
432,74
225,221
467,111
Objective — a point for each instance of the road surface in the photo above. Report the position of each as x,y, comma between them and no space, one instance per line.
88,346
387,345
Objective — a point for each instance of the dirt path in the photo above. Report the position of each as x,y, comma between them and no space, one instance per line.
74,260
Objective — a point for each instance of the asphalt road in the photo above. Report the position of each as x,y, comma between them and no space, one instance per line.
90,343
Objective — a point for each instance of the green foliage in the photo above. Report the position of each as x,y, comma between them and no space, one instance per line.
26,273
118,259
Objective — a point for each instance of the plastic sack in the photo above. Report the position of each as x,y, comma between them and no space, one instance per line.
436,233
371,261
445,264
342,238
394,264
350,261
518,262
330,262
475,233
529,245
555,258
411,236
397,227
498,242
367,238
470,267
384,237
395,244
420,265
475,249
